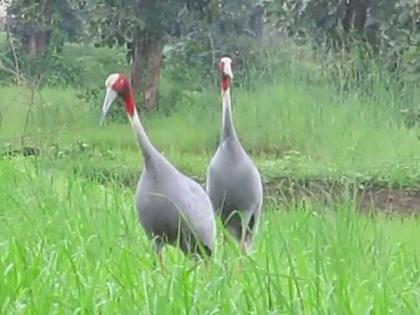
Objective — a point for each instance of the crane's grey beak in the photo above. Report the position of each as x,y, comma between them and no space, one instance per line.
110,97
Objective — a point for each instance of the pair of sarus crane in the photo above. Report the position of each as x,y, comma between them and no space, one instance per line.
173,208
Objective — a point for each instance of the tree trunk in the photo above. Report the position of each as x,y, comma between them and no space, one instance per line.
136,67
256,20
355,16
39,36
145,69
38,42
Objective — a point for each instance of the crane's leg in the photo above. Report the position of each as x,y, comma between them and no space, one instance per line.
224,238
206,255
243,241
244,245
252,228
161,261
246,219
159,252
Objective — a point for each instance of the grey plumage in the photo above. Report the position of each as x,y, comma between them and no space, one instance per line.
171,207
233,181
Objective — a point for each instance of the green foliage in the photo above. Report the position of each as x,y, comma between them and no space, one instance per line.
36,34
387,31
77,65
336,134
300,18
124,22
193,56
69,245
229,26
57,18
71,242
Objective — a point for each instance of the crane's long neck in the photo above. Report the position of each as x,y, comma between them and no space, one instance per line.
146,146
228,126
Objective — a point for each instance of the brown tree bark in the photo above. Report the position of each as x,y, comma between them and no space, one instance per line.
39,37
147,62
136,66
145,69
38,42
355,16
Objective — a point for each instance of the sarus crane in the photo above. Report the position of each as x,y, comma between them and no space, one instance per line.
233,182
172,208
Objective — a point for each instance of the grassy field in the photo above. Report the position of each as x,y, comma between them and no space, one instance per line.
292,129
70,246
69,238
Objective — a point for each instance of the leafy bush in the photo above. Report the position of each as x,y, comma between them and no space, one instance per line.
356,32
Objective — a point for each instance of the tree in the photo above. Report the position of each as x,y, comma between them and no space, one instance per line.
318,19
237,30
37,31
38,23
144,27
389,29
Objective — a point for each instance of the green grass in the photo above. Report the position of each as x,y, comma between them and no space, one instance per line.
70,246
78,64
69,238
291,129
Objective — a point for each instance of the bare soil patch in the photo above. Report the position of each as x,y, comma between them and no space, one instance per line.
391,201
368,196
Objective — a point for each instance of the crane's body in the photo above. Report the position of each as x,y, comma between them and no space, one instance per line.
172,208
233,182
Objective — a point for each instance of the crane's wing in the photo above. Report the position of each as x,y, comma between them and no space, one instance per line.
199,212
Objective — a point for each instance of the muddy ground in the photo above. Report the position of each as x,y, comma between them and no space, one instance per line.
368,197
282,191
391,201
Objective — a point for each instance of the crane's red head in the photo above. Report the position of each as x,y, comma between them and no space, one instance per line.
118,85
226,71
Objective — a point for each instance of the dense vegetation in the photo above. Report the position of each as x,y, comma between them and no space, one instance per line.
325,100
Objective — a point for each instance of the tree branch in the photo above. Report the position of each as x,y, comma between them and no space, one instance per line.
12,46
